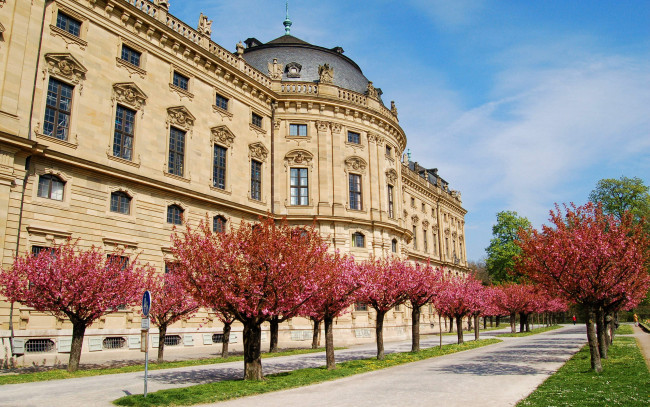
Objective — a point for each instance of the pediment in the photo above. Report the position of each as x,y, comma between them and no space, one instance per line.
181,117
129,93
355,163
222,135
298,157
258,151
391,176
67,66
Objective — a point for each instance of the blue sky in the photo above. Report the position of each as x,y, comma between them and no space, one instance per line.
519,104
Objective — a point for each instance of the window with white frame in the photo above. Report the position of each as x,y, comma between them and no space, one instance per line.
299,185
298,130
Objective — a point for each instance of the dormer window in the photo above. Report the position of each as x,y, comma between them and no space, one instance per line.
293,70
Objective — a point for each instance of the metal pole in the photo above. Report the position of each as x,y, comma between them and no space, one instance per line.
146,364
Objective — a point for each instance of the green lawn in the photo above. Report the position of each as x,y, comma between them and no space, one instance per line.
225,390
624,330
466,332
532,331
625,380
56,374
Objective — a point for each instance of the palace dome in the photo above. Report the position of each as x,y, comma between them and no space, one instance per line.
300,61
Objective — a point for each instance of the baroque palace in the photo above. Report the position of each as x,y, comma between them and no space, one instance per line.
119,122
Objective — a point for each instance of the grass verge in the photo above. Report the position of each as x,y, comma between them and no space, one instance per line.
625,330
466,332
532,331
229,389
625,380
57,374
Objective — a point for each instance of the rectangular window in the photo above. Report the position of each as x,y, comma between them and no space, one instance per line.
174,215
123,135
176,151
181,81
355,192
424,208
299,186
256,180
36,250
219,167
298,130
358,240
221,102
447,246
389,151
256,120
391,206
51,187
361,306
57,109
130,55
435,244
120,202
424,240
354,137
122,261
68,24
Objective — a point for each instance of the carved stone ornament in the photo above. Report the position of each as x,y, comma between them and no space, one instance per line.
322,126
406,214
425,224
393,108
258,151
447,232
454,234
205,25
376,138
391,176
300,157
2,27
415,219
181,117
372,92
434,228
336,127
275,70
293,70
162,3
222,135
355,164
326,73
67,66
129,94
240,49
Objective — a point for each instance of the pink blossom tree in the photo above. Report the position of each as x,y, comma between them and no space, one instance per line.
457,298
591,259
340,278
513,299
386,282
226,319
171,302
69,282
255,272
423,284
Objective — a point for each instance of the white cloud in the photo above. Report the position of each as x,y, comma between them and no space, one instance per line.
450,14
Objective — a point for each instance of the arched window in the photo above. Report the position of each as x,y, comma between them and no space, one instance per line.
218,224
175,215
358,240
51,187
393,246
120,202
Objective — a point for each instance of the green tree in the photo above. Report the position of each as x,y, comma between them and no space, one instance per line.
620,195
502,250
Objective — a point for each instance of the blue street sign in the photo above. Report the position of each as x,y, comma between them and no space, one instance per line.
146,303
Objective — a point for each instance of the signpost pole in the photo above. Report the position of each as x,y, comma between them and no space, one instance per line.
146,307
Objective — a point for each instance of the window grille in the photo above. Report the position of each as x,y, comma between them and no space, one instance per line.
217,338
173,340
39,345
114,342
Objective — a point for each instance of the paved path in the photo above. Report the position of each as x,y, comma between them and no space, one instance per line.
643,339
506,371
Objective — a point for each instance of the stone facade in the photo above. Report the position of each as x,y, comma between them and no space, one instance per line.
133,60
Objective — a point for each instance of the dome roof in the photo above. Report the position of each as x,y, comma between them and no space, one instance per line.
300,61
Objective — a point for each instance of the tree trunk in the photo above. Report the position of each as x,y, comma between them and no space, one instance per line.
601,333
451,324
476,327
484,322
522,322
415,331
491,322
275,324
78,331
459,329
593,341
527,318
226,339
329,343
379,331
469,323
513,322
498,320
162,331
252,351
613,327
315,340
